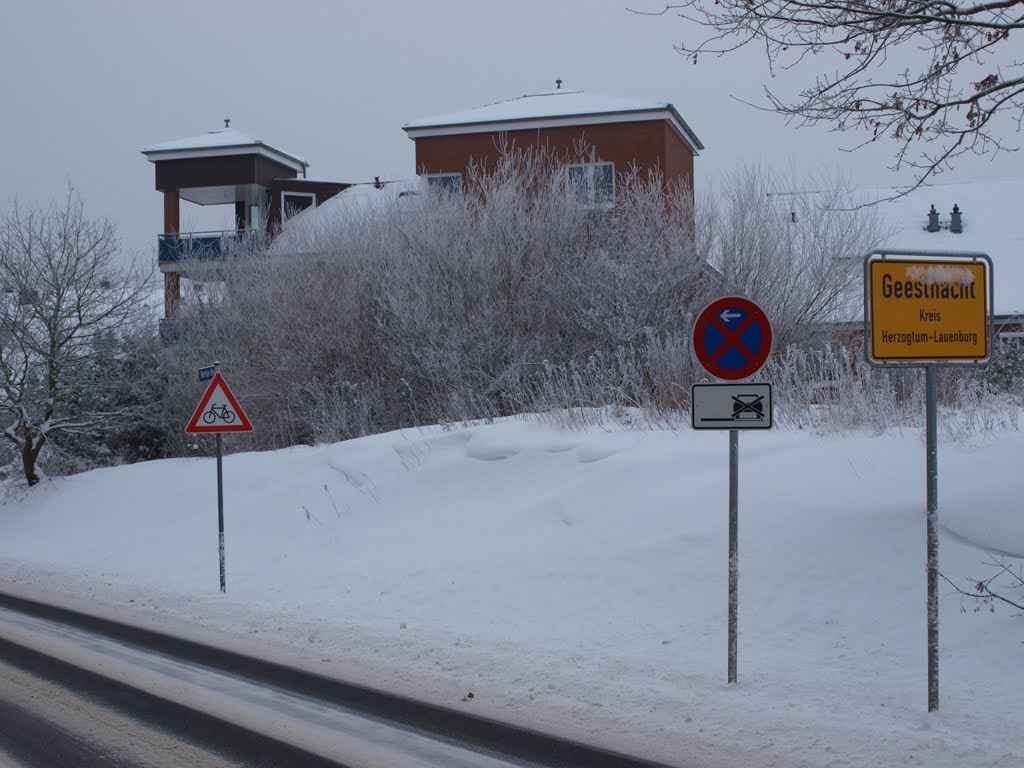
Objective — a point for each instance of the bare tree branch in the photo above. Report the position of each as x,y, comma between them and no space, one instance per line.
953,89
982,589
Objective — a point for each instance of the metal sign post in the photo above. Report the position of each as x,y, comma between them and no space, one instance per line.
732,339
734,548
220,511
932,533
933,308
733,407
218,412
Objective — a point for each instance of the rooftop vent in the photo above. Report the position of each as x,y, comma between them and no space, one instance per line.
955,224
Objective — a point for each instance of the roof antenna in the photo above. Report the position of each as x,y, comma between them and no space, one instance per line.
558,83
227,122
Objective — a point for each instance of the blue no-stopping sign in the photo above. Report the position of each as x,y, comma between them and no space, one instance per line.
732,338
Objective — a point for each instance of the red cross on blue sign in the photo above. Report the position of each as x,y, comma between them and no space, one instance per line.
732,338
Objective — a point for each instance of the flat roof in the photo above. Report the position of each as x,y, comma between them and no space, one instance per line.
223,142
551,109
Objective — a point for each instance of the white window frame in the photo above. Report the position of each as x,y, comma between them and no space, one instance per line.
588,190
449,183
284,208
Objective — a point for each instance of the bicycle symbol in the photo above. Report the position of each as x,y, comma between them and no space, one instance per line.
219,412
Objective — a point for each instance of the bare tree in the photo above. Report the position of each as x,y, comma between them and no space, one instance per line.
794,245
930,75
65,310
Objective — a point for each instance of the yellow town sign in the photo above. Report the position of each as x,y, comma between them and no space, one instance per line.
928,310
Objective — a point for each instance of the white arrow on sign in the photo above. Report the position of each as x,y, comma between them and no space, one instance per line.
728,314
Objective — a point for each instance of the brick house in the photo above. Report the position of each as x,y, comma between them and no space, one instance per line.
268,186
265,184
615,133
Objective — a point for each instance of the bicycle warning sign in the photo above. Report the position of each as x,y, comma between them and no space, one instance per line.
218,411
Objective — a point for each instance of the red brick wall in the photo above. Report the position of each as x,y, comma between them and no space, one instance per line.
648,144
678,159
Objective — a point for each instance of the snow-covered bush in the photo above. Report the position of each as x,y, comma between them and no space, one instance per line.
832,388
435,308
513,297
1007,372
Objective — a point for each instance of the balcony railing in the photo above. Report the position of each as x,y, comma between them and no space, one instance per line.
185,247
173,330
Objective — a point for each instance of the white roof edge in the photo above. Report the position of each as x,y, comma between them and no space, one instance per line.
155,154
667,113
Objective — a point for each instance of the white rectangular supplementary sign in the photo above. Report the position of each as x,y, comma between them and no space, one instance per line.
731,406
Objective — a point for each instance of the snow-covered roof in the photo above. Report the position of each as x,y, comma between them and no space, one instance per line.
552,109
313,224
226,141
989,210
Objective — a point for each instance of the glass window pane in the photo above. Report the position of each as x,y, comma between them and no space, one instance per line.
293,204
604,183
449,183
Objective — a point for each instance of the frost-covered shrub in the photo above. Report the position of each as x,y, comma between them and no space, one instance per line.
439,308
513,297
1007,371
832,388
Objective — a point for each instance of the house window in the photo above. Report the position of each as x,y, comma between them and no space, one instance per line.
294,203
1012,340
448,183
593,183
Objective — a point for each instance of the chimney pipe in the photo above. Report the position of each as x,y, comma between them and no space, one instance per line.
955,224
933,220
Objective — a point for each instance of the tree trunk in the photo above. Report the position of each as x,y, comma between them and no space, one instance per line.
29,453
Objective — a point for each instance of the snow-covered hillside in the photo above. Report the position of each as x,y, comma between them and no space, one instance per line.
575,581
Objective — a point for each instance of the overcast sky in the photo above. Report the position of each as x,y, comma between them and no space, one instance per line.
85,85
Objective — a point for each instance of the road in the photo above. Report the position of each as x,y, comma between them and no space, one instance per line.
47,724
78,690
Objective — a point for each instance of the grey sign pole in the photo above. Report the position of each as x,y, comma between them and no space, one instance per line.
734,464
220,502
732,406
882,318
932,545
223,415
736,407
220,510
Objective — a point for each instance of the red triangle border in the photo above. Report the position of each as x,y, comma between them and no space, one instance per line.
243,425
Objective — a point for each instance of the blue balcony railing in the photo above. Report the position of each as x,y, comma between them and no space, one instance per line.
205,246
173,330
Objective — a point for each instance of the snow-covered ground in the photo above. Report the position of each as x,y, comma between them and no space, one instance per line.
575,581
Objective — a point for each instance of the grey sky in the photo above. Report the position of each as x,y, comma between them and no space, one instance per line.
87,84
